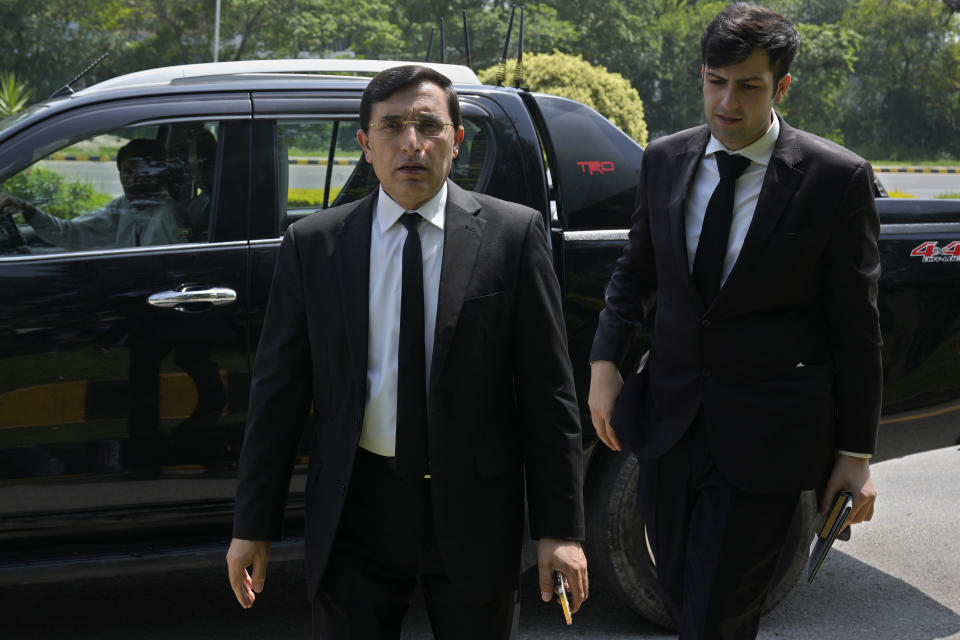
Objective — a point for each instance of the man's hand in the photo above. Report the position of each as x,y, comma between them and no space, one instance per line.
12,204
565,556
242,554
853,474
605,385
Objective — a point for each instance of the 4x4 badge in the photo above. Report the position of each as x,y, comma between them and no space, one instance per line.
930,251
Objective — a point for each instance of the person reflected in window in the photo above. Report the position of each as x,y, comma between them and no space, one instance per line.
198,209
144,215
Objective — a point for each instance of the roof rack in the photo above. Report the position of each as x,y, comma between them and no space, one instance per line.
165,75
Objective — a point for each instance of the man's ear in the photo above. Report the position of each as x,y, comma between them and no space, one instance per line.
364,142
782,87
457,139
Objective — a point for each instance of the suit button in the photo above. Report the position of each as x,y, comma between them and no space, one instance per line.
705,372
704,323
343,489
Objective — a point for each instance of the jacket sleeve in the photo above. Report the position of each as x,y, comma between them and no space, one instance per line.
852,271
280,394
549,415
631,292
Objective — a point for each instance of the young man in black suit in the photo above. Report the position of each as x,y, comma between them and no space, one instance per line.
758,244
424,324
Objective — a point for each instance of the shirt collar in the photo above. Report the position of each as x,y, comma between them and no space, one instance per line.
760,151
433,210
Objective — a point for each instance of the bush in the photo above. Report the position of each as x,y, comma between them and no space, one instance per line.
572,77
302,198
54,194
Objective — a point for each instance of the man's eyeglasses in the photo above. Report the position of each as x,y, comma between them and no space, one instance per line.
426,127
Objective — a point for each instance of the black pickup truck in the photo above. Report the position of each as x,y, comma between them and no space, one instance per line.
124,370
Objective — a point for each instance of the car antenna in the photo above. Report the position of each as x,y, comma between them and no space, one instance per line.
443,41
518,72
429,45
466,39
66,90
502,67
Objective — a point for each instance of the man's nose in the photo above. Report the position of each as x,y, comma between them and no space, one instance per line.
410,138
730,98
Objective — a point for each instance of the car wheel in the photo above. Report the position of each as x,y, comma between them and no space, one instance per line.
618,554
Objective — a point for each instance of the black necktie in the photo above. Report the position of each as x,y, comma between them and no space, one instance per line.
411,360
708,263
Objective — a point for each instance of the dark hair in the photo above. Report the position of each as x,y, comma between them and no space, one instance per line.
141,148
736,31
389,81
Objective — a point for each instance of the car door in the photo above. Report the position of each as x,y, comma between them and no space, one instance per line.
124,361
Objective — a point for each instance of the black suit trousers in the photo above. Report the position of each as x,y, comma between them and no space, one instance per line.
716,546
386,542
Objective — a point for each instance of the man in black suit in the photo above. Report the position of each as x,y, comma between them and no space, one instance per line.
763,375
424,324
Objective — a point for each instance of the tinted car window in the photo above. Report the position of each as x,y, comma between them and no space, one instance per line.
315,159
124,188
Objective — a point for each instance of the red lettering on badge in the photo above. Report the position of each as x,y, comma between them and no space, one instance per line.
930,251
591,167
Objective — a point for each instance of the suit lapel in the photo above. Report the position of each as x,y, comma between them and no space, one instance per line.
687,161
353,272
779,185
462,235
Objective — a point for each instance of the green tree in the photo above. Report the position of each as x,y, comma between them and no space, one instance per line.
904,99
820,79
487,23
572,77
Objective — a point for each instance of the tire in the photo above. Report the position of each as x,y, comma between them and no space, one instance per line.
620,559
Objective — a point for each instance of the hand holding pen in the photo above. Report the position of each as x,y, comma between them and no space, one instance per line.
564,557
561,590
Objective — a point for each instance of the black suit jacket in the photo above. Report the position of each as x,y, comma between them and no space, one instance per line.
785,362
501,401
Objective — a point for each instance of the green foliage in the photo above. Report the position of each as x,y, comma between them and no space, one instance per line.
820,78
904,97
883,76
54,194
572,77
14,96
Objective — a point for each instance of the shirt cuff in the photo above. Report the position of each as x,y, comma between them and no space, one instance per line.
865,456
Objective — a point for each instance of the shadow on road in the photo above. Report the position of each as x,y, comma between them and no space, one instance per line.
880,606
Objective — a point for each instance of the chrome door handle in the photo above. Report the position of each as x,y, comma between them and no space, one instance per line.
191,295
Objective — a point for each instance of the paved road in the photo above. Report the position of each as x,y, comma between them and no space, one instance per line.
921,185
103,175
906,566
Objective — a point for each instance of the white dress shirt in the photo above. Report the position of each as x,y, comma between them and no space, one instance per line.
745,196
387,235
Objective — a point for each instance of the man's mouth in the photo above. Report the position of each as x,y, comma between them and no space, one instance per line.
726,119
412,168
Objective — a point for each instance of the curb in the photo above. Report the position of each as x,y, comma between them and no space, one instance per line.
895,169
